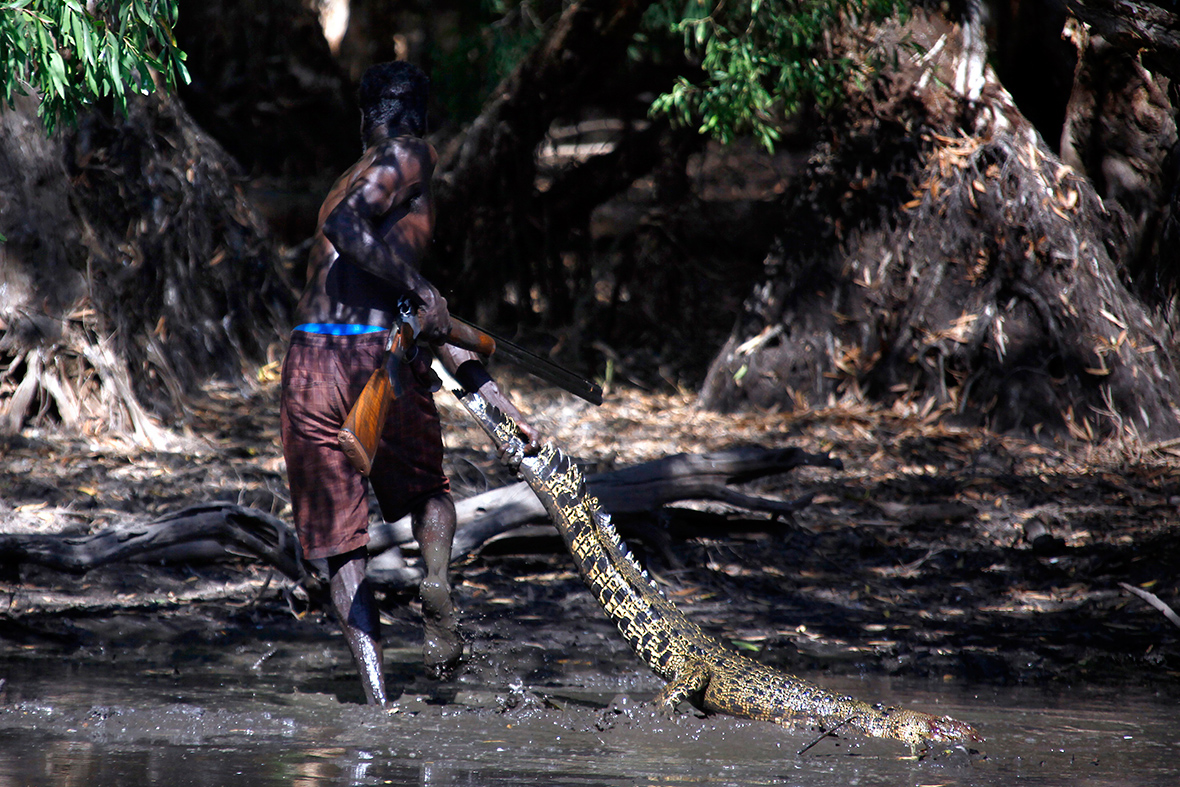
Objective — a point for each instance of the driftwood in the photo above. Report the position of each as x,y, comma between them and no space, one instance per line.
236,529
218,529
631,490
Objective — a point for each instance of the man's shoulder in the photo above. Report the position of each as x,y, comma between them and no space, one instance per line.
405,147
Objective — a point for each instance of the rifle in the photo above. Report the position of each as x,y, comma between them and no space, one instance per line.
362,428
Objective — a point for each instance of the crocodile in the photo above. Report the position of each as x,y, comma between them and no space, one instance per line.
698,668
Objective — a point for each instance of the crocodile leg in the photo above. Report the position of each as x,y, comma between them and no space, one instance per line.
688,682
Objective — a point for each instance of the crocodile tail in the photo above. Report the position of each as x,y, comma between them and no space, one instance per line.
561,488
914,727
627,594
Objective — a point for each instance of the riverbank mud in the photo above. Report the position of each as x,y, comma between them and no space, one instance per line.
953,571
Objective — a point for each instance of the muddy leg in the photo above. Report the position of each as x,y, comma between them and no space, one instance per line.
434,528
356,612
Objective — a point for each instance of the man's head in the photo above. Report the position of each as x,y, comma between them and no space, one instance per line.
393,95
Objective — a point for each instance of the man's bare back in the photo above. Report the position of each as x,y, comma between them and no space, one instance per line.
378,219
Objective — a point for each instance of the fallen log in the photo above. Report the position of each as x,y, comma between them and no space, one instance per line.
236,528
641,488
648,486
223,529
631,490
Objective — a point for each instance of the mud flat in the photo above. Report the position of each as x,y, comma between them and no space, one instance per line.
281,707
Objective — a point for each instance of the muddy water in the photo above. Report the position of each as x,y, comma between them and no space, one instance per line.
287,713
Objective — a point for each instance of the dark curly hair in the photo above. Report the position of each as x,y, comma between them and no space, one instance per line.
394,94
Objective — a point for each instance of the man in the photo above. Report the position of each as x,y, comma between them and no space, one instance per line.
374,229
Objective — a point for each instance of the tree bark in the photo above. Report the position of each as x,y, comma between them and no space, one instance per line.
1136,26
1120,130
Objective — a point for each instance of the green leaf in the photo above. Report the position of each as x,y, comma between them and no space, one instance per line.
70,56
113,56
81,39
56,68
762,59
178,59
142,13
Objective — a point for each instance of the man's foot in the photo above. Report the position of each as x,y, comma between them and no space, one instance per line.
441,646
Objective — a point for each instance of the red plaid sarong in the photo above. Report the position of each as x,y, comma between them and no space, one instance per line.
322,376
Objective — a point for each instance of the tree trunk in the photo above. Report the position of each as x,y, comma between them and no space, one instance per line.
1120,130
137,267
485,242
1149,28
958,263
266,86
40,260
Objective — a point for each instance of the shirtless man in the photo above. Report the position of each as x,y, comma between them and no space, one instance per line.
374,229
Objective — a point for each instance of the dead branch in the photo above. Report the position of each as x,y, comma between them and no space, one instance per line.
254,532
1154,601
631,490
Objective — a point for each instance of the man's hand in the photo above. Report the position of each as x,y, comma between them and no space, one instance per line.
532,438
434,317
512,457
528,434
470,373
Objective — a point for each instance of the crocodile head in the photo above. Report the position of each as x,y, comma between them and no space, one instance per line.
917,728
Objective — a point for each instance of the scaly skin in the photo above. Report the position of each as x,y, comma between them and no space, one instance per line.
697,666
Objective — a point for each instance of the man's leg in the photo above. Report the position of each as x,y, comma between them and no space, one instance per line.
356,611
434,528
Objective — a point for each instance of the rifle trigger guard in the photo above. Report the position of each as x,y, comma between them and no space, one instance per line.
409,316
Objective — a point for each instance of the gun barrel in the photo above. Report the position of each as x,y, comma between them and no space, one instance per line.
534,364
465,335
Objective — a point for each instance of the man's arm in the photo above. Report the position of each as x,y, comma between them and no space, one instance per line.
469,372
352,225
389,186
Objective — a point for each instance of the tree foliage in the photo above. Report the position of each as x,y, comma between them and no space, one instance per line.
762,60
71,54
494,37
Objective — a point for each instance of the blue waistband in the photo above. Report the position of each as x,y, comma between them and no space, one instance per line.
338,328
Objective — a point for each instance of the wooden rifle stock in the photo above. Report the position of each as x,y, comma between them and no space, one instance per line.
362,428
